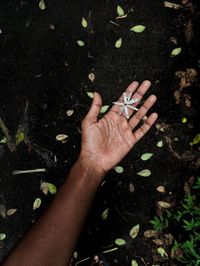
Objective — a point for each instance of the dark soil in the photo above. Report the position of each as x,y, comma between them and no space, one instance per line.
42,65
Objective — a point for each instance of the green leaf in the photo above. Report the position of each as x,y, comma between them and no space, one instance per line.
134,263
37,203
104,109
2,236
42,5
3,140
80,43
176,51
184,120
84,23
159,144
118,43
120,242
119,169
52,188
90,94
134,231
104,214
145,172
19,137
146,156
196,139
138,28
162,252
120,11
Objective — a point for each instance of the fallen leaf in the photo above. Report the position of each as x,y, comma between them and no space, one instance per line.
134,231
75,255
150,233
162,252
196,139
134,263
172,5
176,51
118,43
160,189
187,78
2,210
145,172
146,156
168,239
51,188
164,204
69,112
10,212
177,96
44,187
120,11
159,144
3,141
120,242
90,94
158,242
37,203
19,136
104,109
2,236
80,43
84,23
138,28
184,120
131,187
119,169
91,76
42,5
61,137
104,214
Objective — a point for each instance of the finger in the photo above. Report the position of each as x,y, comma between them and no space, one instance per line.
134,121
130,89
95,108
139,133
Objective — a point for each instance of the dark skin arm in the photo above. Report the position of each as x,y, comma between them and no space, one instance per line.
105,142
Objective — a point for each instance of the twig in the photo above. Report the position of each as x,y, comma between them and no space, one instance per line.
9,140
30,171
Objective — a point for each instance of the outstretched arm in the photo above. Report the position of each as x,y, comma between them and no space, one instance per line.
105,142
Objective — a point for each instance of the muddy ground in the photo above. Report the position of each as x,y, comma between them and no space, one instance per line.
44,73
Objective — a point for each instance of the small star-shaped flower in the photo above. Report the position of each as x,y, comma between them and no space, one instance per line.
126,104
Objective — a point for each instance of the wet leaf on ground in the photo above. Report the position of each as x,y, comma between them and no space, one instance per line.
51,188
90,94
118,43
164,204
91,76
150,233
145,172
120,11
104,214
120,242
80,43
2,236
134,263
69,112
146,156
84,23
176,51
134,231
61,137
36,204
104,109
119,169
138,28
159,144
42,5
160,189
10,212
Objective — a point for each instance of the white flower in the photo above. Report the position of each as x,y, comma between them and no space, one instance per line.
126,104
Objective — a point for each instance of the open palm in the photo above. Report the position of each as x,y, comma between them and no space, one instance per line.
106,141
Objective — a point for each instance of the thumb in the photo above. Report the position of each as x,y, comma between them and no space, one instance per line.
95,108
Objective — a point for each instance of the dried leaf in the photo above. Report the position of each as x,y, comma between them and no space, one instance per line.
134,263
120,11
84,23
131,187
162,252
138,28
104,214
120,242
104,109
61,137
134,231
37,203
91,76
80,43
119,169
69,112
160,189
150,233
10,212
145,172
159,144
164,204
2,236
196,139
42,5
146,156
176,51
158,242
52,188
172,5
118,43
90,94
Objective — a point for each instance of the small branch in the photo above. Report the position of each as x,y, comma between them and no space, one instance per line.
9,140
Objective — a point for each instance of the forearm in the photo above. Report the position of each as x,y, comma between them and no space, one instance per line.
52,239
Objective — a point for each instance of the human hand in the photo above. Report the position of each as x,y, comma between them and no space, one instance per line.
106,141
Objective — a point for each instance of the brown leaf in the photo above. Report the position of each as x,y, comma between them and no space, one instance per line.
177,96
187,78
168,239
150,233
160,189
164,204
158,242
